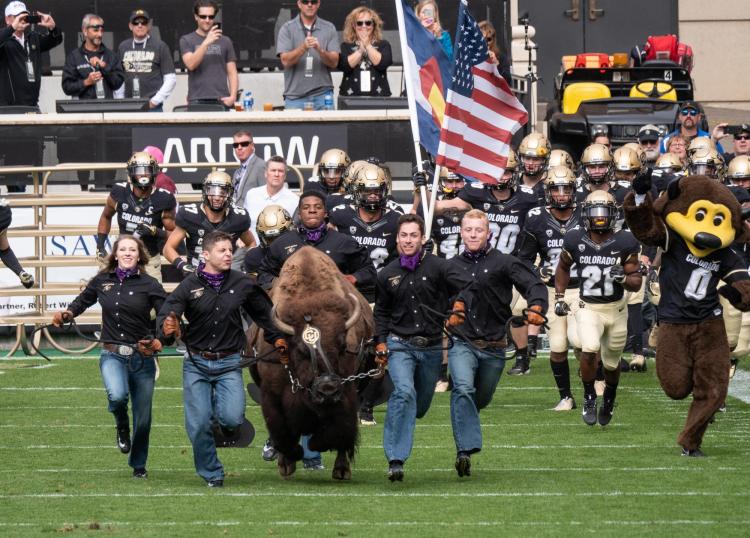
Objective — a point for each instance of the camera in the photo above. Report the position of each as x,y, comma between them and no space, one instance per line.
33,18
733,130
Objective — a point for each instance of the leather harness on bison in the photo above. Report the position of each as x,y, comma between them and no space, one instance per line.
328,323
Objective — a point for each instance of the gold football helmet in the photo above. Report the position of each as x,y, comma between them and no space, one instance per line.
669,162
142,169
273,221
559,187
627,164
370,187
217,191
331,167
739,169
600,212
350,173
596,163
533,153
456,181
706,162
700,144
560,157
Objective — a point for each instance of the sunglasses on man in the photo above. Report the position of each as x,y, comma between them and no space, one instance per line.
742,137
364,23
207,17
140,22
689,112
95,27
243,144
309,2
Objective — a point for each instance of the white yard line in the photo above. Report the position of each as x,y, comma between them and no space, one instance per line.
739,386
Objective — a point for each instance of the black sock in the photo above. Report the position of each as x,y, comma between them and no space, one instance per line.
532,345
561,373
588,391
600,372
610,391
521,354
10,261
635,328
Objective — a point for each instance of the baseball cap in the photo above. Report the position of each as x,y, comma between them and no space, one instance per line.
745,127
15,8
139,14
648,132
691,104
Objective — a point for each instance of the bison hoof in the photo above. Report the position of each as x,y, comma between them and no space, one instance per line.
286,467
341,473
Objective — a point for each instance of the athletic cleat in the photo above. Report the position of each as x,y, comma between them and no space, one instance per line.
395,471
521,367
366,418
605,412
565,404
269,452
123,439
638,363
215,483
589,412
694,453
463,464
599,385
140,472
624,366
314,465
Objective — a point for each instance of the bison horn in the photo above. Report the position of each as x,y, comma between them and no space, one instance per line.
355,315
282,326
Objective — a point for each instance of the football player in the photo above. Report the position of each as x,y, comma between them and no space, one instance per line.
706,162
560,157
608,265
273,221
141,210
329,171
446,228
542,237
6,253
533,154
195,221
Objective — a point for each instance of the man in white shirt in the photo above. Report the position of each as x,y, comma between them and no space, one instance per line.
275,191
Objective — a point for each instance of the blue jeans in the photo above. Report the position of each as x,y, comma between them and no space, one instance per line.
475,374
136,382
310,457
318,101
208,396
414,373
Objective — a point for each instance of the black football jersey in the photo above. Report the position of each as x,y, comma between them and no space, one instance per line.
192,219
6,216
688,283
506,217
543,235
253,259
595,260
131,211
378,238
335,200
446,232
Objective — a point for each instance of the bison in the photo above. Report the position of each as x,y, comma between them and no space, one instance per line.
329,325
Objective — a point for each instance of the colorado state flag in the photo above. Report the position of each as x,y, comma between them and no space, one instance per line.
430,78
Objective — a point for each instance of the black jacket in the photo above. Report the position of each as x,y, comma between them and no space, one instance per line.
15,88
77,69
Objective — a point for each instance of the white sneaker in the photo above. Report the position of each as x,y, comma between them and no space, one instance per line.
599,387
566,404
638,363
441,386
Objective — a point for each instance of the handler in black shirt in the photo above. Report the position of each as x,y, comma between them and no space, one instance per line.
406,288
477,358
127,295
351,258
211,299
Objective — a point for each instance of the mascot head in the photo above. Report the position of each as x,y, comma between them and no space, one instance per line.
703,212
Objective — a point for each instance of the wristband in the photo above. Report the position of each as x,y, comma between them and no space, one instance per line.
178,263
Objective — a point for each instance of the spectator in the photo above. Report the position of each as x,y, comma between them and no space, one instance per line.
429,15
90,63
677,145
740,141
648,139
365,55
21,55
601,138
250,173
163,181
275,191
308,48
148,65
689,118
210,59
496,55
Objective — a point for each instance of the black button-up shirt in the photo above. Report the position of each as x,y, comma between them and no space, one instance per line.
126,306
402,296
214,316
488,296
346,253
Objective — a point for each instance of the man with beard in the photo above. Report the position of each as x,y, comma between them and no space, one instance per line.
648,139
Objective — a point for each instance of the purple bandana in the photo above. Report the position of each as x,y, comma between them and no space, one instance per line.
122,274
314,235
410,263
212,280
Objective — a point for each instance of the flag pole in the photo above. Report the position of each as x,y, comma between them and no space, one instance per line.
412,105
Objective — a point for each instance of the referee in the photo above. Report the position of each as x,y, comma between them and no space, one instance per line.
211,299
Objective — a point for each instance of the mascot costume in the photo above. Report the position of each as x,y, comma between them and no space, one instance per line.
694,222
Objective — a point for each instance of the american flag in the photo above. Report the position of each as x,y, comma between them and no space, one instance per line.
481,112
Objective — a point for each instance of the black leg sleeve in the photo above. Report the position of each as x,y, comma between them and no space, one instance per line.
11,262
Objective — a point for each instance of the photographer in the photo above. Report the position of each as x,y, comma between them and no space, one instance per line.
91,63
740,139
21,51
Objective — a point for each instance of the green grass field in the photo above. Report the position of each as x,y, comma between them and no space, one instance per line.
541,473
